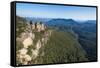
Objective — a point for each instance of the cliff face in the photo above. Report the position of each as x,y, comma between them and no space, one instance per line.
29,42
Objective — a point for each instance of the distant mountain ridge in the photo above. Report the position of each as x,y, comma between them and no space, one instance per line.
38,19
56,20
62,22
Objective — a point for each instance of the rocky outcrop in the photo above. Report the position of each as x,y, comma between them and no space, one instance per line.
38,26
27,39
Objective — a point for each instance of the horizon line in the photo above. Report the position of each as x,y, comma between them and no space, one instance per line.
56,18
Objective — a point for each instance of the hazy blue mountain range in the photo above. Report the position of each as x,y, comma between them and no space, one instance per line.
37,19
62,22
86,33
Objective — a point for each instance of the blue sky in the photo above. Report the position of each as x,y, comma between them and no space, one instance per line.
55,11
